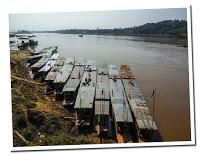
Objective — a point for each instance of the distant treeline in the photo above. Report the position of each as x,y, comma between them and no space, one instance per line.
163,28
167,27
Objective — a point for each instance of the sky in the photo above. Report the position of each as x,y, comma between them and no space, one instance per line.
92,20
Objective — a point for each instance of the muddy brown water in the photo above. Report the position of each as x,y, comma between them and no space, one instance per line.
160,66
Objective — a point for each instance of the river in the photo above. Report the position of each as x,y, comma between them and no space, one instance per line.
160,66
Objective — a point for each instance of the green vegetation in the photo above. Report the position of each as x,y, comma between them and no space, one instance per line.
37,120
163,28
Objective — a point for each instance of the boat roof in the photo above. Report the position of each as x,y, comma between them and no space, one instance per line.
77,72
69,60
54,56
71,85
64,74
85,98
102,88
122,113
86,75
114,72
116,89
53,73
101,107
91,65
47,66
138,105
102,68
80,61
41,62
60,61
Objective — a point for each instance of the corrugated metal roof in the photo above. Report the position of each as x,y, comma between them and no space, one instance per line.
74,79
71,85
54,56
40,63
53,73
64,74
116,89
91,65
102,68
102,88
70,60
122,113
77,72
102,94
138,105
102,78
89,75
47,66
60,61
101,107
114,71
85,98
80,61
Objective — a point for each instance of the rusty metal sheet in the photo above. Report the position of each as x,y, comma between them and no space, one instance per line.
126,72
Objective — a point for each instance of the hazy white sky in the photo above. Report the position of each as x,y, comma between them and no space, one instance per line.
92,20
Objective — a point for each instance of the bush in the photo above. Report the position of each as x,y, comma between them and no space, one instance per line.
19,119
29,133
63,139
51,125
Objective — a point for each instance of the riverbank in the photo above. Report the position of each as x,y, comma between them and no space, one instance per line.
37,119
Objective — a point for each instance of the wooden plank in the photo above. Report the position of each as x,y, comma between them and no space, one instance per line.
64,74
101,107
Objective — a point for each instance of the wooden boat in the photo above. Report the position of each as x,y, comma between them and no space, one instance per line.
85,100
70,89
145,124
